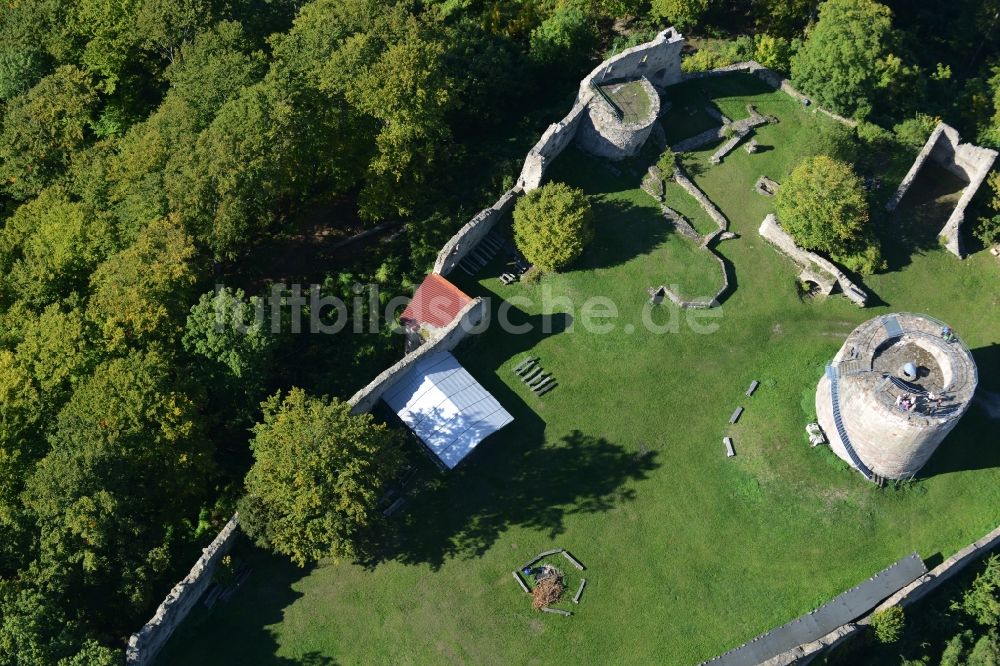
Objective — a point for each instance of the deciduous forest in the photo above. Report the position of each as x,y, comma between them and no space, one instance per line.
159,158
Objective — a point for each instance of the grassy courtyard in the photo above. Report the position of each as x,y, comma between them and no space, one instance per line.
688,553
630,98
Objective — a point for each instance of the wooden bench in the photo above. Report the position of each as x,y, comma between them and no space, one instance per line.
575,562
728,441
557,611
520,581
753,387
576,597
554,551
736,415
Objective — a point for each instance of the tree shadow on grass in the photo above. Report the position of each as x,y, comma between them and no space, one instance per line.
513,481
622,231
513,478
973,443
242,622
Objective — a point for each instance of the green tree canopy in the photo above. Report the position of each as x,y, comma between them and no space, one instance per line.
848,61
563,38
685,14
889,624
42,129
140,293
318,472
127,466
822,204
213,69
234,345
982,600
51,245
552,225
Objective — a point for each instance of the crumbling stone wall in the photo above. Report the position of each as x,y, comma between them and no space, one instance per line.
448,338
552,142
145,644
466,238
772,232
681,178
969,162
658,60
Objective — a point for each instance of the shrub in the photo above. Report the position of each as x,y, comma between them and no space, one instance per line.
562,38
773,52
715,54
822,204
836,141
913,133
552,224
981,601
666,163
889,624
987,231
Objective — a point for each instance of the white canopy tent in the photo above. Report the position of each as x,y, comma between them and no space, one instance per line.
445,407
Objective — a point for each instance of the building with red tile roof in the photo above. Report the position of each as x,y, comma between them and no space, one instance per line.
435,304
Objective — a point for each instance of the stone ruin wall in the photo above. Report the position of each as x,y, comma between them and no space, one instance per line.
474,230
772,232
969,162
145,644
447,339
658,60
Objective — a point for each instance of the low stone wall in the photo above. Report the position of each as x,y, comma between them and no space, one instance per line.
681,178
969,162
701,139
772,232
145,644
468,318
910,594
474,230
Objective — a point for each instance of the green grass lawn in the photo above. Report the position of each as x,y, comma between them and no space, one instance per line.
679,199
688,553
630,98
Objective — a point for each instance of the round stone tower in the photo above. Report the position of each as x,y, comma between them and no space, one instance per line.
619,118
893,392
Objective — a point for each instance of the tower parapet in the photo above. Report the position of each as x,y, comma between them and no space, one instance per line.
897,387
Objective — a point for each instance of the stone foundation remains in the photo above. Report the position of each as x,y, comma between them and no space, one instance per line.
815,268
968,162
